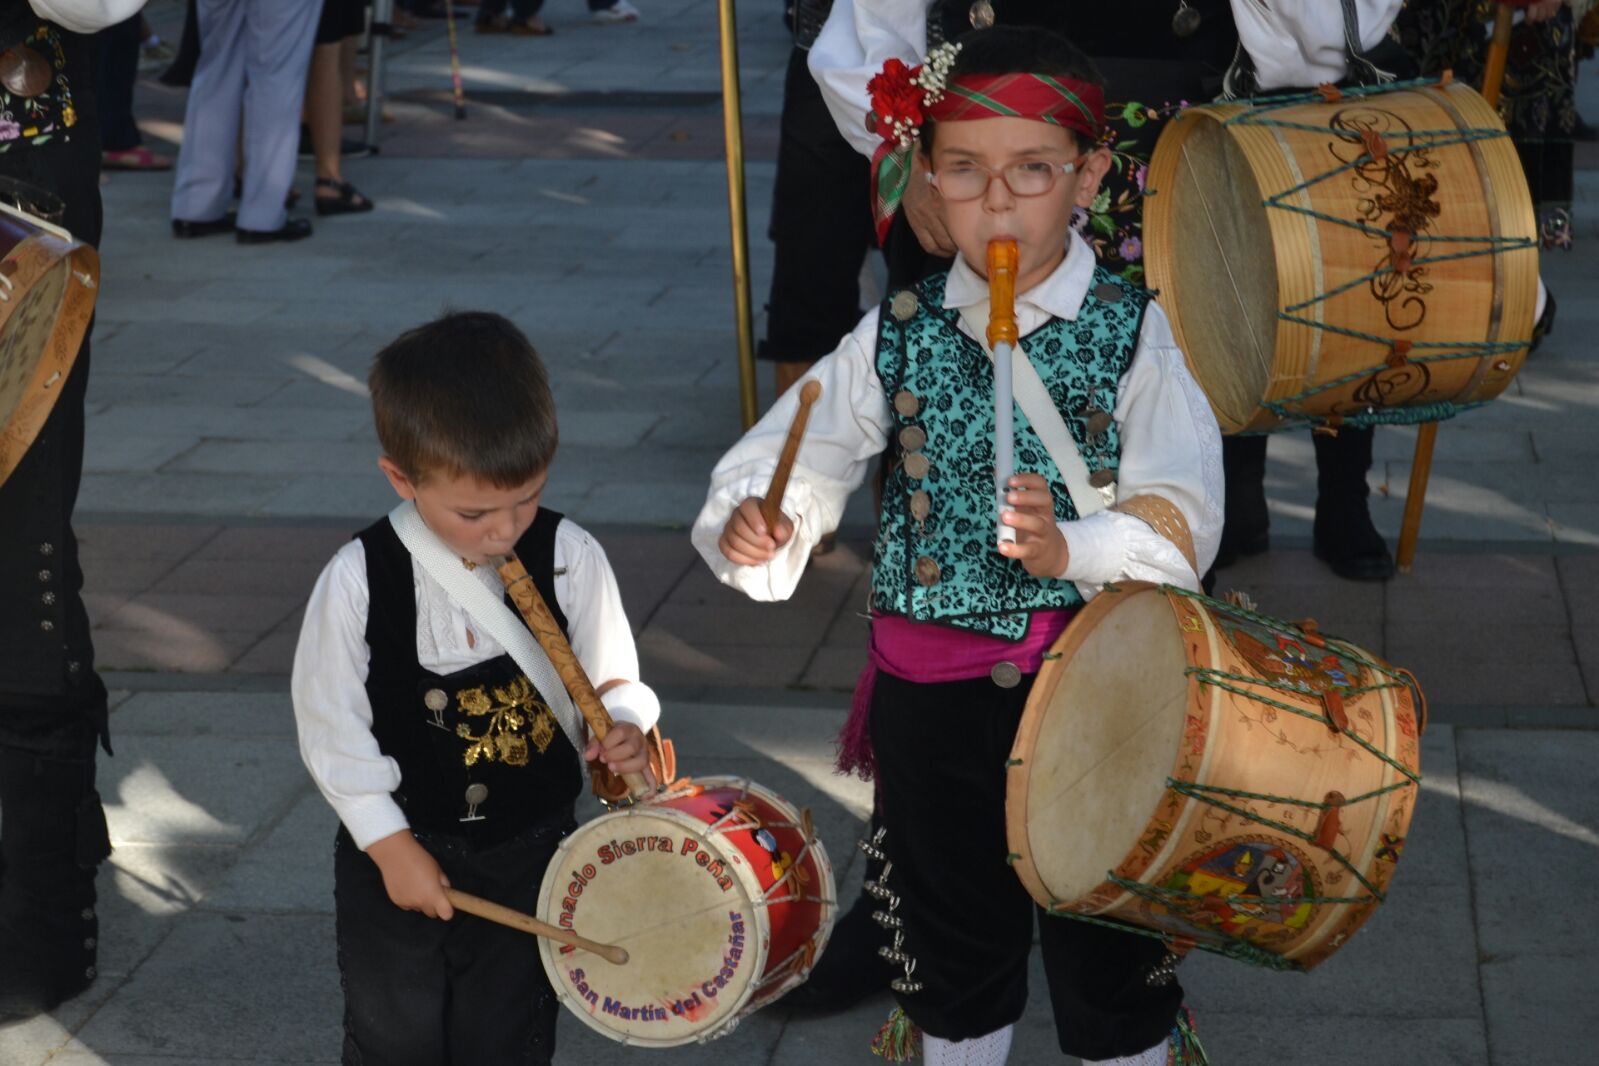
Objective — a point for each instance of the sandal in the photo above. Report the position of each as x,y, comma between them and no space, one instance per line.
348,201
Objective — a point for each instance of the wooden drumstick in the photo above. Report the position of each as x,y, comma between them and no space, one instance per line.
548,633
494,912
772,505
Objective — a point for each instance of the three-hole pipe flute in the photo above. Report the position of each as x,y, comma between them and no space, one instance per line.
1002,337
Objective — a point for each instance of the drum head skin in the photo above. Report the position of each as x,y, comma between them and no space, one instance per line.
1096,768
655,883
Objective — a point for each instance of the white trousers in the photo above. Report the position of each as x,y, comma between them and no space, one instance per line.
254,56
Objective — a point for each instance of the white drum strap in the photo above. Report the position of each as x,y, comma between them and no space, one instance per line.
1033,397
491,614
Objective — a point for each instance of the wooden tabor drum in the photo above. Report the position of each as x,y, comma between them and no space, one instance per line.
1213,777
1369,258
719,891
48,284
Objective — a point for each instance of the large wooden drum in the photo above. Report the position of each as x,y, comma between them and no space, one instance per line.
48,284
1212,776
1369,259
719,891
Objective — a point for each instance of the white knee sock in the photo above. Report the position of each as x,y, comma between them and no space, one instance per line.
1155,1056
990,1049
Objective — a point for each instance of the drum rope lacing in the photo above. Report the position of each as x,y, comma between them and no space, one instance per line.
1238,949
1420,140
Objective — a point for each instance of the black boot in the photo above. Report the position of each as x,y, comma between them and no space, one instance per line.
1344,535
52,838
1246,524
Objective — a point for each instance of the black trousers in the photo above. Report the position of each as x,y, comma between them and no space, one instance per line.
941,752
821,227
1341,489
115,74
421,992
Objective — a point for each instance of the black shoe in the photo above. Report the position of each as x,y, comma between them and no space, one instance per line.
850,969
1352,546
1233,548
185,228
293,230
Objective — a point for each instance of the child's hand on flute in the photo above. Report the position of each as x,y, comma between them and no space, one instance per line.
1039,543
747,541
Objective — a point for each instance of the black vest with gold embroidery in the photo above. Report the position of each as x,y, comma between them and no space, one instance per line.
481,756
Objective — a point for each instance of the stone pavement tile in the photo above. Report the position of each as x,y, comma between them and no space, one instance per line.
733,730
197,790
291,869
231,423
1464,509
604,429
1452,671
1530,794
361,497
1535,607
1575,523
641,502
1556,442
101,606
835,669
170,388
239,715
271,543
123,541
144,890
177,649
219,984
224,577
675,659
752,1042
104,455
1306,1037
107,575
180,614
1435,847
851,628
752,625
37,1041
1460,440
326,387
1542,1002
185,494
1512,572
1579,579
273,654
1418,941
278,457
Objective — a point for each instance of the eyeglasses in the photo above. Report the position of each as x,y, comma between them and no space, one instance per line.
967,180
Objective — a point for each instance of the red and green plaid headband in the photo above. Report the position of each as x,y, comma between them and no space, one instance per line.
902,99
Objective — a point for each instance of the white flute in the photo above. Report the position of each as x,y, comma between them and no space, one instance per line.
1002,337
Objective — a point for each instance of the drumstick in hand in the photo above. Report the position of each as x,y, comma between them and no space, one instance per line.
548,633
772,505
494,912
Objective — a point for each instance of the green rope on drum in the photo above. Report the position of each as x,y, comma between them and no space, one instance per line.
1190,788
1158,894
1259,113
1013,762
1211,677
1239,950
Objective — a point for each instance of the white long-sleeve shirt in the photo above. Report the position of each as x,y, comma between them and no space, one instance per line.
1292,42
86,16
1170,446
331,709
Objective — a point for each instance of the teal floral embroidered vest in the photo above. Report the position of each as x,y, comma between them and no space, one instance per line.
935,559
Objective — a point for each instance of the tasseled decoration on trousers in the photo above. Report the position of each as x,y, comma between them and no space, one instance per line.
898,1040
1186,1050
855,755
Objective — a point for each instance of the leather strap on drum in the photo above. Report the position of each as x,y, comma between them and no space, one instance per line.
662,754
1165,518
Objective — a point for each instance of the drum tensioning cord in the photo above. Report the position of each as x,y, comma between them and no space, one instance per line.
1256,113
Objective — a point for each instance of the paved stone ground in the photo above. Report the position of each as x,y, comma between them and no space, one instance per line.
230,453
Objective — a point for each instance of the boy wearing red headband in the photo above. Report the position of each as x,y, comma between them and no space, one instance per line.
1008,125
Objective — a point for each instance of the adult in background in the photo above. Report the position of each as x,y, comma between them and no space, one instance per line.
122,145
52,703
254,54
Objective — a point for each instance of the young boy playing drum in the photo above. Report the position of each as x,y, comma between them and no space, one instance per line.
960,622
447,767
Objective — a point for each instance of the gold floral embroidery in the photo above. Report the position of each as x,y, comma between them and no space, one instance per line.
516,717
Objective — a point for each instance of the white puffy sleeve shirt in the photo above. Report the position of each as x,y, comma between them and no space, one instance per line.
1171,447
1292,42
328,685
